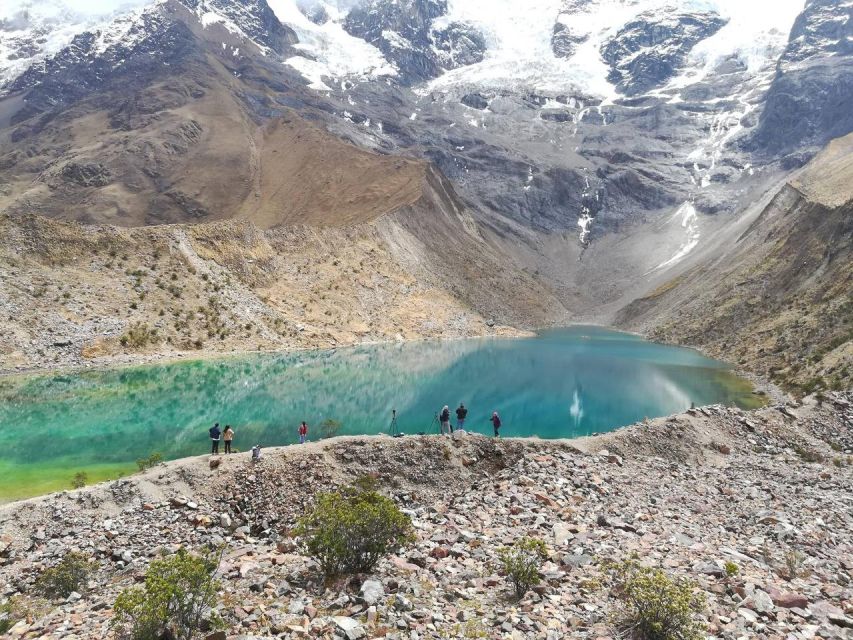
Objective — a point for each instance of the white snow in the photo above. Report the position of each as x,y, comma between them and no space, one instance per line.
396,40
337,54
756,33
49,26
584,222
518,40
690,224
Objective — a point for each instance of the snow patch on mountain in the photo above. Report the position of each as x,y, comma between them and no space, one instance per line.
755,35
330,52
689,221
32,30
520,55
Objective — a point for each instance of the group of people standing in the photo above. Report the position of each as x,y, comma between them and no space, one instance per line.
461,415
227,435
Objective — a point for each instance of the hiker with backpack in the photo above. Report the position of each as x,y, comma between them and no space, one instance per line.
228,437
461,413
215,433
496,422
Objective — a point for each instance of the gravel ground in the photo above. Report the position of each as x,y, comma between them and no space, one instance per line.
769,490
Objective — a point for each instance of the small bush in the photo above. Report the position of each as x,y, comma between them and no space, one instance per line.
151,461
521,563
808,455
179,592
71,574
794,561
19,608
731,569
138,335
7,619
653,605
329,428
349,531
79,480
366,483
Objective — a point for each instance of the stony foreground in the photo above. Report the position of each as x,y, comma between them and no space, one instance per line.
769,490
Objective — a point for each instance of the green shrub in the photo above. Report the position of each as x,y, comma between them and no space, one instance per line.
654,606
349,531
71,574
79,480
807,455
19,608
178,593
329,428
366,483
138,335
731,569
8,619
794,561
521,563
151,461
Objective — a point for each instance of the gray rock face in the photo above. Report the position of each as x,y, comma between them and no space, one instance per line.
564,41
809,101
87,174
647,52
404,32
255,19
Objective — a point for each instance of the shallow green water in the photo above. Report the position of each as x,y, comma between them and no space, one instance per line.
560,384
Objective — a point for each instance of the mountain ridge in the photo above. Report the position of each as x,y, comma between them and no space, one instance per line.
578,198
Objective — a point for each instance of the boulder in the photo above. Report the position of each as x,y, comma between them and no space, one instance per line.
372,591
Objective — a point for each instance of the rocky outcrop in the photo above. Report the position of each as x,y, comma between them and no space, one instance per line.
648,51
808,102
404,32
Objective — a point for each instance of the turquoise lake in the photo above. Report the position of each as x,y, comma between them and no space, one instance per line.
559,384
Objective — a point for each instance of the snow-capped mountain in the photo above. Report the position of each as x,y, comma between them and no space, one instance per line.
571,122
32,30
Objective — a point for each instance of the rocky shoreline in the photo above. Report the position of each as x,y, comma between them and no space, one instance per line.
769,490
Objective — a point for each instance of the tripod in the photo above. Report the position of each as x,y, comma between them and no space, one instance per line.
393,428
434,421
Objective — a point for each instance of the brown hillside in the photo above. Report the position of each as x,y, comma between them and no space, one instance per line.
303,175
779,301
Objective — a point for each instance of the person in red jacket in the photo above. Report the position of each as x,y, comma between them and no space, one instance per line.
496,422
303,432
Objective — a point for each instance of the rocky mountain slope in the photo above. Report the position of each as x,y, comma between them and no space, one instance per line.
578,154
778,299
768,491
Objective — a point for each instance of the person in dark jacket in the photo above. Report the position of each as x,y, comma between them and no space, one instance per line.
461,414
215,433
444,420
496,422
